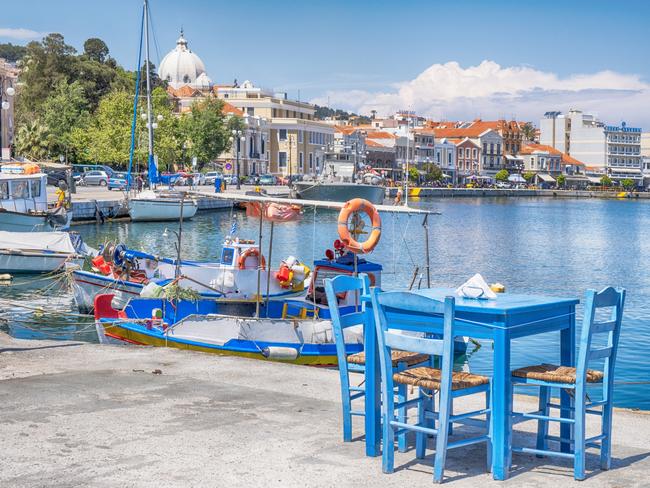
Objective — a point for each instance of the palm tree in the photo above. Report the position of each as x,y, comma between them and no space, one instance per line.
32,141
528,131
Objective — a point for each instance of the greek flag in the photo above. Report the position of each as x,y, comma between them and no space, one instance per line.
233,228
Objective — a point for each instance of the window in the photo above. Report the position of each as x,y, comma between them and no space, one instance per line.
19,189
498,149
449,158
250,111
4,190
485,148
282,134
491,148
36,188
474,153
301,161
282,159
311,160
300,136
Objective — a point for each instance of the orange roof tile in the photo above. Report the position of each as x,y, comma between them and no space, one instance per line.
231,109
379,134
371,143
473,131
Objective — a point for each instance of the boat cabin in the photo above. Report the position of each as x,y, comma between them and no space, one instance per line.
23,193
241,254
343,265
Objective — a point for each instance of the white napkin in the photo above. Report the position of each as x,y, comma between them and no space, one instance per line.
475,287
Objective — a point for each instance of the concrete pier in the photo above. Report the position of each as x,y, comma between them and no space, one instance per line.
427,192
76,414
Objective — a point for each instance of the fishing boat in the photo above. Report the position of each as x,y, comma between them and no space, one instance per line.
154,204
160,205
126,273
338,181
41,252
23,201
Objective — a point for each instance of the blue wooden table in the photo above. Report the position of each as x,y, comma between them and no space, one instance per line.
509,316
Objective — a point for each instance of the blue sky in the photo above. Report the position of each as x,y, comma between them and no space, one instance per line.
359,53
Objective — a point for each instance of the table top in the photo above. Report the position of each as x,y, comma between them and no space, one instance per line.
503,304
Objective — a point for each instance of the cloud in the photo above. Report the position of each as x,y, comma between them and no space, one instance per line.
20,33
450,92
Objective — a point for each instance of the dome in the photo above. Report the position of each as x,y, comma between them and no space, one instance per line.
181,66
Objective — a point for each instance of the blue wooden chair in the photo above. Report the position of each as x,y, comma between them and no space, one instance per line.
404,310
548,376
358,316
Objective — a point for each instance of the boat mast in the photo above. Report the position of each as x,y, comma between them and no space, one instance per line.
146,64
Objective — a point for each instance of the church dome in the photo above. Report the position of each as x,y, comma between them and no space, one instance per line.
181,66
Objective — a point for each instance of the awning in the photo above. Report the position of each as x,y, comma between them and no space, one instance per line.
510,157
546,178
516,178
445,175
593,179
626,170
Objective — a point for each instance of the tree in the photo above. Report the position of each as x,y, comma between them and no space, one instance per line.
96,49
65,109
606,181
528,176
502,175
414,174
32,141
12,52
560,180
206,131
628,184
432,172
528,131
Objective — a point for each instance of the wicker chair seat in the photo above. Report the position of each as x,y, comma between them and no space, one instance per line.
430,378
410,358
556,374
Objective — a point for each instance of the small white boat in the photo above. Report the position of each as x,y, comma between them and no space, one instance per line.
151,206
40,252
23,202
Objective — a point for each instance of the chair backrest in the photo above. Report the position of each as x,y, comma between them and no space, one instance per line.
340,321
607,298
395,310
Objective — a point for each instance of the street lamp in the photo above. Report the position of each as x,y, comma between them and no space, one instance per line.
237,136
6,105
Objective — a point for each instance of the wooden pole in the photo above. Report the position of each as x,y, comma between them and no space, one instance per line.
268,269
259,263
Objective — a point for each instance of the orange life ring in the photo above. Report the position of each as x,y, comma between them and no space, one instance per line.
251,251
359,205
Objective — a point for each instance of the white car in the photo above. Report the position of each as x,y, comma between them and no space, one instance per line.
210,176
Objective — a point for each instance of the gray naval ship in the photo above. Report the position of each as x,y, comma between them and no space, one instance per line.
338,182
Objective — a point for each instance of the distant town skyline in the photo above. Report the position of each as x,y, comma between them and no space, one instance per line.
500,59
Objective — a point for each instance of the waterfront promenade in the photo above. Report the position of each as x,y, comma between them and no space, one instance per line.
78,414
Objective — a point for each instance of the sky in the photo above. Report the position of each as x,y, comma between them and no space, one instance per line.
449,60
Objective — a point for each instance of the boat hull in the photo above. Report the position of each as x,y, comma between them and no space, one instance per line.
339,192
86,286
23,222
161,209
24,262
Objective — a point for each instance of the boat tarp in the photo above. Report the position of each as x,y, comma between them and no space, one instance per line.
37,241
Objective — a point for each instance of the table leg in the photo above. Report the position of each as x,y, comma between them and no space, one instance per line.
373,392
567,358
501,405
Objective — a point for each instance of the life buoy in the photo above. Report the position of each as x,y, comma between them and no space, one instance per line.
351,207
251,251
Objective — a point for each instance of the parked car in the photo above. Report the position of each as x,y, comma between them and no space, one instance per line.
55,176
99,178
268,180
210,176
230,179
81,169
117,181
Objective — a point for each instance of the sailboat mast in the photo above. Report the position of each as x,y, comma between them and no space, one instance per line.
146,63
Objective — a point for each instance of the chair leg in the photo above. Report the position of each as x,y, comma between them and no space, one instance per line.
346,404
388,447
401,415
579,436
606,444
451,412
441,441
488,420
421,437
542,425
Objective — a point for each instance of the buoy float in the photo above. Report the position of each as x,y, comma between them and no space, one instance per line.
351,207
277,353
251,251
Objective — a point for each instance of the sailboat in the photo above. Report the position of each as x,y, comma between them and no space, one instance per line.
154,204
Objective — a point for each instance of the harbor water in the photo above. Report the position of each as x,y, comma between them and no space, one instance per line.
547,246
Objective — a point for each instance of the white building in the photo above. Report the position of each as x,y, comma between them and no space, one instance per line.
615,150
181,67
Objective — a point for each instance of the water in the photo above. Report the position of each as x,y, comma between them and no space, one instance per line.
543,246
